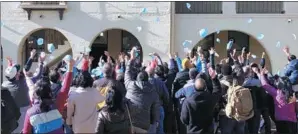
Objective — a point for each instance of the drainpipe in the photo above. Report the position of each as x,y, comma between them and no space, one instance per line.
172,28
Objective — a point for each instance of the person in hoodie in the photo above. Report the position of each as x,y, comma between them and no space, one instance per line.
188,89
82,103
197,109
143,96
43,116
285,114
181,78
114,117
156,78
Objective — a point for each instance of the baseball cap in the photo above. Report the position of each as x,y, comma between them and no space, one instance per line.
11,72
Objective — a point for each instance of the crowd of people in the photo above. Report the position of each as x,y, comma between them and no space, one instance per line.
126,95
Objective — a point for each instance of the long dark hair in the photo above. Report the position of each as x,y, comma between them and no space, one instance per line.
83,79
43,94
284,84
114,100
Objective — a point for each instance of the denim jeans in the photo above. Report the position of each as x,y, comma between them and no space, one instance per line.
231,126
158,129
67,129
253,123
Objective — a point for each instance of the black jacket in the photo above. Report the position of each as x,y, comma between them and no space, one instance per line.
10,112
114,123
180,80
197,110
257,92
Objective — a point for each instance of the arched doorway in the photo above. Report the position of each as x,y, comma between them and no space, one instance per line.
241,39
114,41
1,58
62,46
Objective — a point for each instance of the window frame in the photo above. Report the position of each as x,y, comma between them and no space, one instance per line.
251,7
180,7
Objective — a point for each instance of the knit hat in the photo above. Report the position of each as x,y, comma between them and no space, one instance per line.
291,57
186,64
193,72
226,69
11,72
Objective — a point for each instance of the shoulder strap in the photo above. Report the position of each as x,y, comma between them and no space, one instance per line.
131,126
225,83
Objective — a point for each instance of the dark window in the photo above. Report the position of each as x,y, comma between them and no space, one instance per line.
264,7
205,44
129,41
49,36
240,40
199,7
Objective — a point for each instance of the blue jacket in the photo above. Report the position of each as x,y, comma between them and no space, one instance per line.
199,65
291,70
179,63
185,92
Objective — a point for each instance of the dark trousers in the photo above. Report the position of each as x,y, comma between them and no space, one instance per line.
180,126
267,121
169,122
231,126
253,123
286,127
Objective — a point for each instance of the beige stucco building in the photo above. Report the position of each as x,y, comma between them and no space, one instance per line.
156,26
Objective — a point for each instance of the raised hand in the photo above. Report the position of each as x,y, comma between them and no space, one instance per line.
170,55
263,55
42,57
176,54
286,50
211,51
248,55
264,71
212,73
132,52
243,50
106,53
32,53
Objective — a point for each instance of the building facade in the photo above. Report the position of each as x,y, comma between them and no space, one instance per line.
153,26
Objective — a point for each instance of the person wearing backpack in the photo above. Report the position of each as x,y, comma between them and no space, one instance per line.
284,100
10,112
237,104
259,99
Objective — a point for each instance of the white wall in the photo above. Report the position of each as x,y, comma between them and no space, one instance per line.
274,27
83,22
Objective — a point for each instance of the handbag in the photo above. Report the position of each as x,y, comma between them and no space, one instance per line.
129,116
